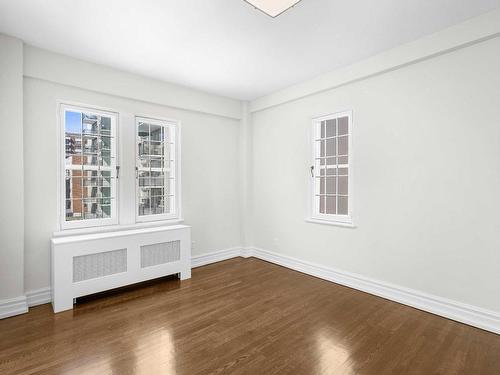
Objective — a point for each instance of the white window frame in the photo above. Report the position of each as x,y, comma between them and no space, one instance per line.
176,126
314,216
61,198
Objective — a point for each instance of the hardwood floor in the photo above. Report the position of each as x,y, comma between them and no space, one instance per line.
243,316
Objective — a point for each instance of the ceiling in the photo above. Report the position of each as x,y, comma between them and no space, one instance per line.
227,47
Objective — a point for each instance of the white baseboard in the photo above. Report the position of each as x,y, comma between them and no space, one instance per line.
246,252
39,296
13,306
215,256
19,305
471,315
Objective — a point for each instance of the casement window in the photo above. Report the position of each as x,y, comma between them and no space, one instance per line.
90,172
331,182
156,168
89,167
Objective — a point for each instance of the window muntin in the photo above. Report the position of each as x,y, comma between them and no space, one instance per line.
89,167
331,198
156,169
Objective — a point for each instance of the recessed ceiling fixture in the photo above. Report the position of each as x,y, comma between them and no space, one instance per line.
273,8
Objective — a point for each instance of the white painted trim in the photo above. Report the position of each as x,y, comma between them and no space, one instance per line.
62,107
475,30
330,222
464,313
215,256
115,228
98,236
39,296
246,252
44,295
13,306
69,71
175,126
312,215
471,315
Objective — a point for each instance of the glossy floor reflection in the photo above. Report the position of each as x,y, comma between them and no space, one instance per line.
243,316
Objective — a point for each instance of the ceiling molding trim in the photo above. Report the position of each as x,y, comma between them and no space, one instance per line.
473,31
53,67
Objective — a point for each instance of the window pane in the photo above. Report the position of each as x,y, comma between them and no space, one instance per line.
157,205
89,160
343,171
343,159
145,201
156,133
73,184
328,171
342,203
321,201
330,205
331,128
144,178
343,145
74,209
342,185
156,148
143,162
343,126
156,162
90,123
106,158
157,179
73,122
96,208
322,149
331,147
73,144
106,125
331,182
331,185
331,162
153,163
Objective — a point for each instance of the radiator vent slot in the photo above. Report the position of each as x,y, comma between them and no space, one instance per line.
92,266
160,253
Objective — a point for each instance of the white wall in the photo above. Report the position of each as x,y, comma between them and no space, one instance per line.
210,170
427,182
11,168
49,66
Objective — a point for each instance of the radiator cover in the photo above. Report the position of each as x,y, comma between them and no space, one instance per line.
160,253
91,263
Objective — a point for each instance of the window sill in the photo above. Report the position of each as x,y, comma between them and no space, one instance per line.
330,222
116,228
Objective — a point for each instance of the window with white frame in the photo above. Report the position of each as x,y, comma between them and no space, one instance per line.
89,167
330,173
156,169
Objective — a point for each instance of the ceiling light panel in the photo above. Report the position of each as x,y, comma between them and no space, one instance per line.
273,8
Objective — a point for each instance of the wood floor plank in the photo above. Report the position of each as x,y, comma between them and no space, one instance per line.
243,316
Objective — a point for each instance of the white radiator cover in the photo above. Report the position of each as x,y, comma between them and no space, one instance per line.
91,266
92,263
160,253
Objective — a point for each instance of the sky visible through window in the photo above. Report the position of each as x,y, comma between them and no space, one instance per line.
73,122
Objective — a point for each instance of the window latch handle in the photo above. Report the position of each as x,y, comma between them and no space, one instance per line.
136,173
312,170
117,171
